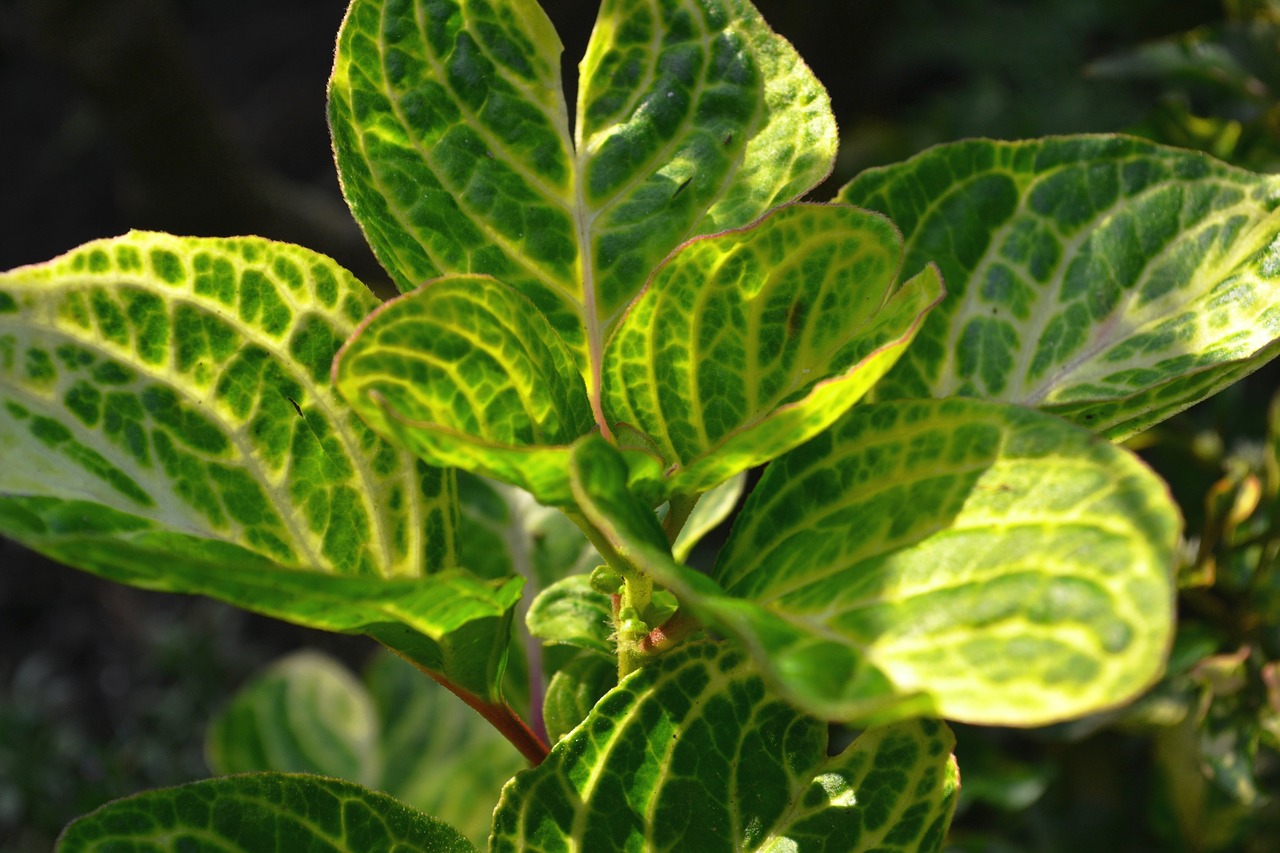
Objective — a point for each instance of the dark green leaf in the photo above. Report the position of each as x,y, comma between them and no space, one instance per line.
694,752
261,813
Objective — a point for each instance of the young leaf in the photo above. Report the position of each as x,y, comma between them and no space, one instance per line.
746,344
986,562
395,732
167,421
695,752
574,690
571,612
452,141
186,381
263,813
466,373
1106,279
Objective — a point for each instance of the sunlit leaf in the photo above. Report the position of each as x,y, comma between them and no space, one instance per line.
695,752
466,373
981,562
452,140
261,813
1107,279
997,564
167,421
745,344
186,381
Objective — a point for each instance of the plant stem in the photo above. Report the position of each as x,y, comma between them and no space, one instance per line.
500,716
669,633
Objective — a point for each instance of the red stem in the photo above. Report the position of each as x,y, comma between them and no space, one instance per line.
501,717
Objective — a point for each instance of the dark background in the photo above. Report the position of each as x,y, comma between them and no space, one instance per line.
208,118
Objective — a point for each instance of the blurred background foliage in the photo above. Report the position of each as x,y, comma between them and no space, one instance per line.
202,117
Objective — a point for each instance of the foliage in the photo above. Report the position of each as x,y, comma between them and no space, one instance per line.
604,326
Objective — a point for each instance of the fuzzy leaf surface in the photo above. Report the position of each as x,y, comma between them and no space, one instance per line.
745,344
1107,279
261,813
394,731
452,140
695,752
466,373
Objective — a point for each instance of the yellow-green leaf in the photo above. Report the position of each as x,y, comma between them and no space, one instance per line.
1106,279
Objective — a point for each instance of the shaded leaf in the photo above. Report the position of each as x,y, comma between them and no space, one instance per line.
394,732
745,344
571,612
261,813
694,752
574,690
505,532
451,623
712,508
305,714
1106,279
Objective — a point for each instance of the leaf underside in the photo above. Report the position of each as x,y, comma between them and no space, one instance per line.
695,752
1107,279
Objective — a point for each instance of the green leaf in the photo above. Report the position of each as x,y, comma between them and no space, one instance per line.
186,381
980,561
748,343
712,508
396,732
466,373
261,813
450,623
574,690
571,612
167,421
695,752
305,714
1106,279
452,141
977,561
